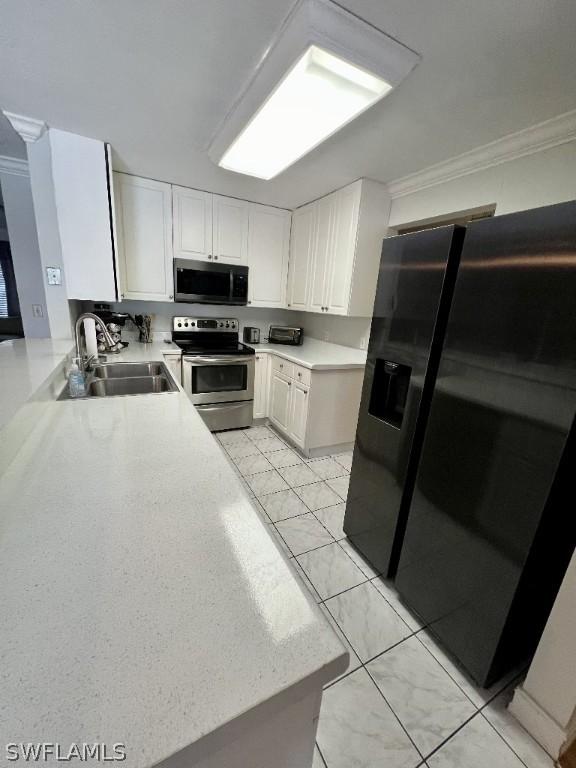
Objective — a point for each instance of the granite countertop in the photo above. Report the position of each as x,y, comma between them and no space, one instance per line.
317,355
146,601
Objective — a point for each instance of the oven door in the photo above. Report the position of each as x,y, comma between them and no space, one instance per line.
213,379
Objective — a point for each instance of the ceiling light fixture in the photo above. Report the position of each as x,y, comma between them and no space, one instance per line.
324,69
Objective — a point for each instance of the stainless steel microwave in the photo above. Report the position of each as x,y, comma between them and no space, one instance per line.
199,282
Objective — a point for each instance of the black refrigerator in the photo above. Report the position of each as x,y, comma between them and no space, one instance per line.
484,528
461,481
415,285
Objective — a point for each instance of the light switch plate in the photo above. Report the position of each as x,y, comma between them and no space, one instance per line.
37,310
54,275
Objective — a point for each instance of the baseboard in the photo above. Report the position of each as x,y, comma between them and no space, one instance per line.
537,722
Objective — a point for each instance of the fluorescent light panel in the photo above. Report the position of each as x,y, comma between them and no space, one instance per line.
320,94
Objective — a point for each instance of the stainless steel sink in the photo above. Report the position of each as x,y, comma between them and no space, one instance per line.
120,379
133,385
125,370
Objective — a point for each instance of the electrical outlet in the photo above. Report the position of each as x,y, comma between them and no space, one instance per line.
37,310
54,275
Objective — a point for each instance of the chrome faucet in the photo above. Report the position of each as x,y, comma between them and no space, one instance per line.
83,360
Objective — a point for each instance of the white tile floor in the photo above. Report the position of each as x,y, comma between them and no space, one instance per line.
402,702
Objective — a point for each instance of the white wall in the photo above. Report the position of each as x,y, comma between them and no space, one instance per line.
350,331
162,314
40,167
543,178
28,271
546,702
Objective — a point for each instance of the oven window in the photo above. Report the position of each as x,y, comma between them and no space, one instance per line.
200,282
208,379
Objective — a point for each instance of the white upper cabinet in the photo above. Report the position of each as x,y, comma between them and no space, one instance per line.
335,250
80,175
322,253
343,247
229,230
299,266
144,230
192,211
268,248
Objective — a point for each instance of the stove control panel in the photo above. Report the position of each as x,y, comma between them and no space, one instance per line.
220,324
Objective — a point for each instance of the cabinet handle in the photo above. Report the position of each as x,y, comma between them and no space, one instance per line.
299,375
210,257
215,258
289,305
248,302
305,391
289,383
171,296
121,295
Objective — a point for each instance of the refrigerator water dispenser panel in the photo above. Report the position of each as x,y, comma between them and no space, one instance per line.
389,391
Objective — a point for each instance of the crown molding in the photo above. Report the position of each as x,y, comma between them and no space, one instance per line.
550,133
27,128
13,166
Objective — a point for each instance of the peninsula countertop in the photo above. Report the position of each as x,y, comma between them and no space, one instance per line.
146,603
317,355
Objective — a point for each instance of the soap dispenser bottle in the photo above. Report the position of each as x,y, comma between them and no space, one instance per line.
76,380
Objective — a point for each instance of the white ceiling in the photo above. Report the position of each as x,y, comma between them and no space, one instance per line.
155,79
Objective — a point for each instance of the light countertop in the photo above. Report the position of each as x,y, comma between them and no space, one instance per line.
317,355
146,602
25,365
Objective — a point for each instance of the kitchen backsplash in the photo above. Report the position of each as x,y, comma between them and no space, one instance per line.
349,331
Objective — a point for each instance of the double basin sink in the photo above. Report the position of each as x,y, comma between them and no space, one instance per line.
114,379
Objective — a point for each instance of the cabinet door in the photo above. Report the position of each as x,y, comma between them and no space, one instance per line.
261,385
144,219
322,253
268,246
280,388
80,174
343,249
298,413
301,242
230,230
192,223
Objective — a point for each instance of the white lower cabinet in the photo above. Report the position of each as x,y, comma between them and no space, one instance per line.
316,410
280,401
261,385
298,413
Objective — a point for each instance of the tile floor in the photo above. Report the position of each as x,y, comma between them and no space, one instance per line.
402,702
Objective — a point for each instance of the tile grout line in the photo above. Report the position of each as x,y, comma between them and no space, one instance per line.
486,720
368,579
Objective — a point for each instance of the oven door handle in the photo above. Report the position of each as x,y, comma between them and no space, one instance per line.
217,360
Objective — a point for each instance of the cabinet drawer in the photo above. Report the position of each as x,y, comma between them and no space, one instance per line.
283,366
301,375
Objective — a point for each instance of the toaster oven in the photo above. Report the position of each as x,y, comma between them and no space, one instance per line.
284,334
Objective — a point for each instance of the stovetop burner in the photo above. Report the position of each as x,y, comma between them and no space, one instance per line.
208,336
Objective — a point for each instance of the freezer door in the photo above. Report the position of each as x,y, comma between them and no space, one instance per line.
416,277
486,544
